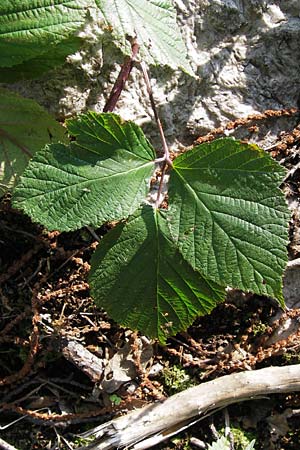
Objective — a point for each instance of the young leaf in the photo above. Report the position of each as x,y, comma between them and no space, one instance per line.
228,216
25,127
139,277
104,175
153,23
30,28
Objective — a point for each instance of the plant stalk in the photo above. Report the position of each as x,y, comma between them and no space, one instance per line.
157,119
166,160
161,183
121,80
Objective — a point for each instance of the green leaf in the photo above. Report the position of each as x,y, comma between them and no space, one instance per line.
30,28
25,127
228,216
115,399
154,24
221,444
104,175
34,68
139,277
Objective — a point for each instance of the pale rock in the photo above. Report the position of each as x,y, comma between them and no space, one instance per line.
245,54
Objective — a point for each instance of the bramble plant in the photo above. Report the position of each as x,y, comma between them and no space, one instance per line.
224,222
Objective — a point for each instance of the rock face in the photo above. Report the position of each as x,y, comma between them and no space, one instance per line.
246,55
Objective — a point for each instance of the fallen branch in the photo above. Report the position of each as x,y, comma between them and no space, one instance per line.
5,446
157,422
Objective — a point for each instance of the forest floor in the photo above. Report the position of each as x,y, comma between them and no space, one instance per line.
55,346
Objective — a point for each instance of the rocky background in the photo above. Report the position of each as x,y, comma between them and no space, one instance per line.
245,53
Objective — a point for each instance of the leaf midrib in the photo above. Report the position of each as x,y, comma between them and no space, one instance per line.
82,183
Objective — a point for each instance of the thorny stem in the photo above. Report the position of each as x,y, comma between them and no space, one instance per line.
166,160
121,80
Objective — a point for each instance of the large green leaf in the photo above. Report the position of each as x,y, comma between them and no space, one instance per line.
139,277
34,68
104,175
153,22
228,216
25,127
30,28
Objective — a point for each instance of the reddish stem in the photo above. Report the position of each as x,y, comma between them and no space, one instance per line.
121,80
166,156
166,160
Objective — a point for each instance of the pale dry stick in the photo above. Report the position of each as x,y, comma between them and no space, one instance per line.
5,446
10,424
294,263
148,426
61,438
228,434
197,443
93,233
86,361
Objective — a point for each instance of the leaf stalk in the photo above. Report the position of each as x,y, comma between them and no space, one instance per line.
165,159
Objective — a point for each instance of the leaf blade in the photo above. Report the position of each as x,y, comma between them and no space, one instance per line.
37,66
25,127
154,24
139,277
95,179
229,216
28,29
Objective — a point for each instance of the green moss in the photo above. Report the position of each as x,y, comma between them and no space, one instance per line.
291,357
181,443
241,438
259,328
81,442
176,379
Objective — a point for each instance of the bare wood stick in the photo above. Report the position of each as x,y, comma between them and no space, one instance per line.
155,423
86,361
5,446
